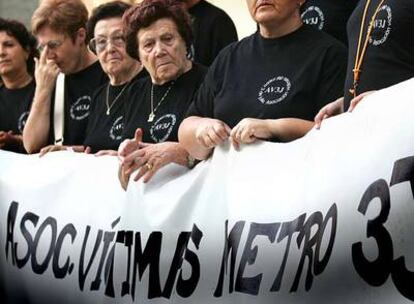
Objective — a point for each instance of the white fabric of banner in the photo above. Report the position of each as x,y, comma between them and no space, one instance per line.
324,219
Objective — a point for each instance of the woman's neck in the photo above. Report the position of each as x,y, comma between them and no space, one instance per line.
125,76
17,80
273,30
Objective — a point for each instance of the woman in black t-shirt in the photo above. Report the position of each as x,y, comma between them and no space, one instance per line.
107,110
267,86
159,33
17,50
389,55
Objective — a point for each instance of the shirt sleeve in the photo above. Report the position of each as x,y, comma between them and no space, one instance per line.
332,78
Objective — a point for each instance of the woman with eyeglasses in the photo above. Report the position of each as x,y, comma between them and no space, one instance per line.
107,117
159,34
17,85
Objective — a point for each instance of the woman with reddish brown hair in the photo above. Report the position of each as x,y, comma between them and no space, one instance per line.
159,35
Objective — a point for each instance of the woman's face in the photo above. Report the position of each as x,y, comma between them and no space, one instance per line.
162,50
273,11
13,56
110,46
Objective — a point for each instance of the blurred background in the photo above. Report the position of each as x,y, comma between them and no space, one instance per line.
237,9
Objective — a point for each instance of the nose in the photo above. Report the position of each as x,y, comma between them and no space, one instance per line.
159,49
2,50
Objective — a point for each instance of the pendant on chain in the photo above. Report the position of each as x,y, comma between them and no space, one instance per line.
151,117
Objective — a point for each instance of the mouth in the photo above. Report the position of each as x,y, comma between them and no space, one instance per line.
263,3
5,61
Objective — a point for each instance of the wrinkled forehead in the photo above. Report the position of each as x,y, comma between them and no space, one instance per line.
46,34
158,29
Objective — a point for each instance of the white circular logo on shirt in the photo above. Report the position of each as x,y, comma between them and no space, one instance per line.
117,128
162,128
314,16
22,121
80,109
275,90
382,26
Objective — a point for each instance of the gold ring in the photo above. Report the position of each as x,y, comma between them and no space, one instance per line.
148,166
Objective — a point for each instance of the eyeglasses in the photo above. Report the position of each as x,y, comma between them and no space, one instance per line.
51,45
99,44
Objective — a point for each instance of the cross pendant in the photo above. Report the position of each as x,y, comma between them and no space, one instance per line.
151,117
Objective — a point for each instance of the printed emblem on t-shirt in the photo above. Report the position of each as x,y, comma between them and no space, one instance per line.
80,109
22,121
117,127
382,26
275,90
314,16
162,128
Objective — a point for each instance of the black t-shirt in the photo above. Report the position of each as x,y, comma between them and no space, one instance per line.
389,57
288,77
330,16
15,106
169,113
213,30
79,89
105,129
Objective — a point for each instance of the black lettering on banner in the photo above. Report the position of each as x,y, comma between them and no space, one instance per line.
82,272
375,272
320,265
61,272
11,221
185,288
107,240
307,251
252,285
149,258
41,268
127,239
403,279
287,230
231,244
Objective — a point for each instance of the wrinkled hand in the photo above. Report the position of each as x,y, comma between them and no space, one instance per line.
54,148
149,158
248,130
331,109
212,132
358,99
129,146
46,72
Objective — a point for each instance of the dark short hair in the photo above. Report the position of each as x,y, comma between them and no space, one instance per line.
27,41
147,12
108,10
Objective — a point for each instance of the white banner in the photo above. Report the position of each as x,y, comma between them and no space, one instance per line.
324,219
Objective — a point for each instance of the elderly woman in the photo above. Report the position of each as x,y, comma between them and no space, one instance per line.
159,34
107,112
267,86
17,51
380,54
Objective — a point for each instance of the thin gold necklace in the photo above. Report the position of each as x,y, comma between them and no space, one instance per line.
361,53
151,115
109,107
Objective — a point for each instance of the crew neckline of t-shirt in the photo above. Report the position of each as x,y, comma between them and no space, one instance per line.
282,39
86,70
18,89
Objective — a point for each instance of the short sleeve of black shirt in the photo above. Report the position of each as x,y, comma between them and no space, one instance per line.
105,128
330,16
389,58
79,89
169,113
288,77
15,106
213,30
